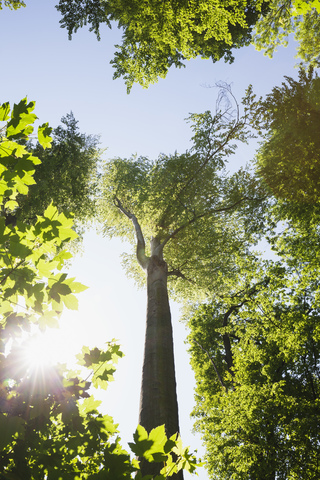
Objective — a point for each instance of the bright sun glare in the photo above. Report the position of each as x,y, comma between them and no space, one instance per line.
47,349
39,352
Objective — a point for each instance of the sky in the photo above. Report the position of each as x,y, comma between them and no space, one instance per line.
38,61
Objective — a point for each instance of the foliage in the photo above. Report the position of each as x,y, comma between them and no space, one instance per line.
256,355
12,4
156,447
300,17
67,175
288,159
187,204
50,427
157,35
256,347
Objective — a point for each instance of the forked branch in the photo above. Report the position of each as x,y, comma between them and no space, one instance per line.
143,260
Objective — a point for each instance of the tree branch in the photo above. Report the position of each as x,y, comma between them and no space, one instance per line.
212,154
143,260
175,272
197,217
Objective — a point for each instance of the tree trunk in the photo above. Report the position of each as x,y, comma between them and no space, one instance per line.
158,401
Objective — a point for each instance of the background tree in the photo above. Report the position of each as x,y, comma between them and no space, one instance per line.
256,358
157,35
67,175
255,349
288,159
289,120
50,427
188,221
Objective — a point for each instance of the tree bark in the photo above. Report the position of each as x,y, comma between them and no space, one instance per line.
158,401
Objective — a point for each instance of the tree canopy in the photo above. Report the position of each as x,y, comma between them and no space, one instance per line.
157,35
288,158
187,204
156,38
289,118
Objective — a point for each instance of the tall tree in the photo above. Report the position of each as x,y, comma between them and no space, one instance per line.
157,35
50,427
182,212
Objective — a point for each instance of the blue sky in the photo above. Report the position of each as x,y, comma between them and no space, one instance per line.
39,61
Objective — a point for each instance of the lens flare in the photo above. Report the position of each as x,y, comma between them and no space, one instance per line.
37,353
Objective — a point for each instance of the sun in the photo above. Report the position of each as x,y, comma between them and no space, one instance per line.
39,352
32,358
44,350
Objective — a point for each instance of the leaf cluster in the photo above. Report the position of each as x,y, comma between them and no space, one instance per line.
298,17
255,351
101,362
12,4
157,35
256,357
156,447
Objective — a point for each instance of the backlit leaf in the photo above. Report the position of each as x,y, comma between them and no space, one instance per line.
44,135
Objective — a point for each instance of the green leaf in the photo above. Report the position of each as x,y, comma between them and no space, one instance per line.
19,249
151,446
141,442
44,135
61,257
71,302
58,289
45,267
4,112
21,118
89,405
76,287
11,205
67,233
51,212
